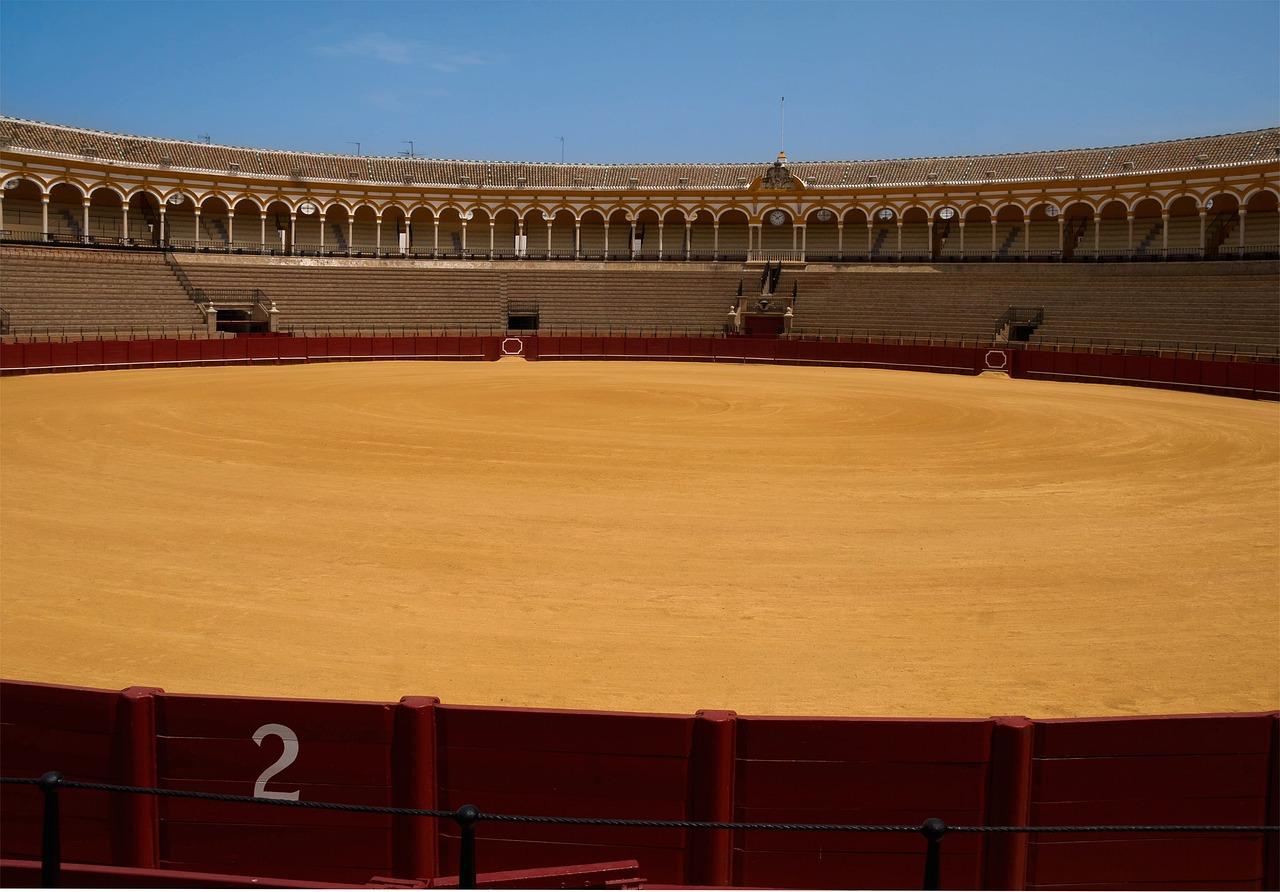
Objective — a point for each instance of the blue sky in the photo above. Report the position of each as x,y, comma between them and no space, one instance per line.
646,81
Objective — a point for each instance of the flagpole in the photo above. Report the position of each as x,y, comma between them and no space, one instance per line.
782,123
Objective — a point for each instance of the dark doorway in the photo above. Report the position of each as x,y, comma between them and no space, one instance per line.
763,326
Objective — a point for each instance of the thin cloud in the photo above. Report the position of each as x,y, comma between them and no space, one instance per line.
399,51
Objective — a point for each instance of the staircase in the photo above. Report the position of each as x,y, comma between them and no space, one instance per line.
1144,246
1018,324
1009,241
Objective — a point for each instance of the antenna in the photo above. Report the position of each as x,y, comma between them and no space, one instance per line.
204,138
352,142
561,138
408,154
782,124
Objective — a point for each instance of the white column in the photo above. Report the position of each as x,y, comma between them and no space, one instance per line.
351,231
321,217
840,239
1,210
930,227
1203,214
659,239
293,232
633,240
1241,239
44,210
577,239
1129,217
606,239
124,222
993,238
899,238
804,240
264,232
715,243
231,226
1062,237
549,221
197,213
1164,232
85,234
162,218
1097,235
688,239
464,238
377,236
1026,236
492,222
961,237
795,236
871,229
435,236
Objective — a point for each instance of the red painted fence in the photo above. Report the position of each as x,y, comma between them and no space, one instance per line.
709,766
1258,380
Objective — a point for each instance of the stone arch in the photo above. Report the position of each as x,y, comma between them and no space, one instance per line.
213,227
106,213
279,239
245,225
1260,224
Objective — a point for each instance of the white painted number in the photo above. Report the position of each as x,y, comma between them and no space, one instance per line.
290,741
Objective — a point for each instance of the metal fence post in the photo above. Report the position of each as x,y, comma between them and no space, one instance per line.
466,819
933,830
51,836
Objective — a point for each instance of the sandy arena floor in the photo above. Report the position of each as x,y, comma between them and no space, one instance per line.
643,536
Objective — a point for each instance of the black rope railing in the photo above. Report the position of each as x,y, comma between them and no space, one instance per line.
467,816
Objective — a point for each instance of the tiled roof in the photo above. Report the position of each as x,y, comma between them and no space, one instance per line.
1231,148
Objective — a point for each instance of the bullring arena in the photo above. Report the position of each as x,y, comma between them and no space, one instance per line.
841,494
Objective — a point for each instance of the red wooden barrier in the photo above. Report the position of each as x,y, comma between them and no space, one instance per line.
525,761
1194,769
715,766
326,751
78,732
858,771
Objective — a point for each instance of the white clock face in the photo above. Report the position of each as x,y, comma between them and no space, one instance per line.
307,208
777,218
824,215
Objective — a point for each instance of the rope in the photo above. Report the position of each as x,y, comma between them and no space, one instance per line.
633,822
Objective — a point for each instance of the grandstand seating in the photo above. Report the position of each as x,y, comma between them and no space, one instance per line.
1189,303
71,288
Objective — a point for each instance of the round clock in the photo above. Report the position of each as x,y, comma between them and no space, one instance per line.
307,208
824,215
777,218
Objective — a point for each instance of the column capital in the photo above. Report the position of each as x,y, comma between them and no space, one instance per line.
86,202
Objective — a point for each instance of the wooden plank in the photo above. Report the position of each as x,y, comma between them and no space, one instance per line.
185,715
1172,860
566,731
1155,735
918,785
843,870
465,770
1148,777
898,740
183,759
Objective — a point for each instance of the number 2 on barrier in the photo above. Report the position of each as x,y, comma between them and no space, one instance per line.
286,759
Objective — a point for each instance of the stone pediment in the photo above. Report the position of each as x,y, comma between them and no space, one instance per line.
778,176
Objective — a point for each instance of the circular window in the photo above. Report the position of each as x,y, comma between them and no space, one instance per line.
946,213
176,199
307,208
1051,211
777,218
824,215
885,214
